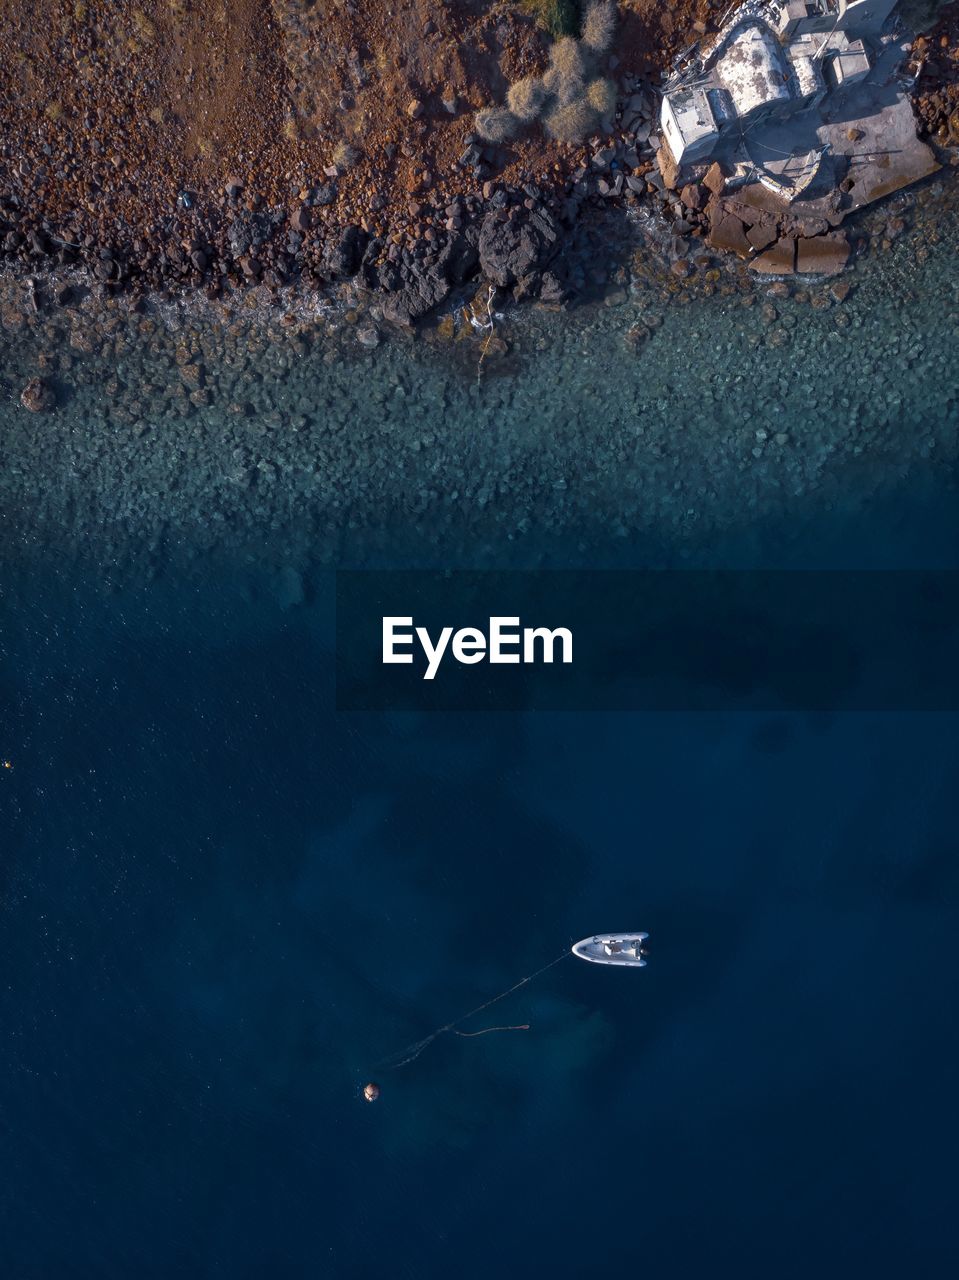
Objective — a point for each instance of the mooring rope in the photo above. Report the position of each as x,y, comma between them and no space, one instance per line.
522,1026
413,1051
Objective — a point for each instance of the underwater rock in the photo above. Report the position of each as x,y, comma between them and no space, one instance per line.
37,396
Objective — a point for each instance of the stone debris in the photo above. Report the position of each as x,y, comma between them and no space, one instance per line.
824,255
780,260
793,167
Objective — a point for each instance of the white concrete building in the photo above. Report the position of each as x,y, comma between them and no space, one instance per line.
848,61
753,71
794,17
768,62
689,123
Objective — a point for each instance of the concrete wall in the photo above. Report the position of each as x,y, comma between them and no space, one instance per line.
864,17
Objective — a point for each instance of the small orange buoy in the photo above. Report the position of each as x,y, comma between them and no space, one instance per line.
371,1092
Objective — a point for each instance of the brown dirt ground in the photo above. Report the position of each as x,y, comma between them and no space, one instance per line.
109,110
937,94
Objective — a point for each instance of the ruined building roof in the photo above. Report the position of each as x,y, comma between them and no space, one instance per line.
753,69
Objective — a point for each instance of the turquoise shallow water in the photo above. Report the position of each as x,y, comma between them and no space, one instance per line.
192,839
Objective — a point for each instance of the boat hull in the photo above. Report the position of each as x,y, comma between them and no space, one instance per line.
623,949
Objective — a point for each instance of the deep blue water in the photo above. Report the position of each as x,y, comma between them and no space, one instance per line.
224,903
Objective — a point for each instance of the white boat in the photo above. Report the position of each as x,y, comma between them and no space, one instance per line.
613,948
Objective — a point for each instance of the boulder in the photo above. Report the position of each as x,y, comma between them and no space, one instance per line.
715,179
823,256
762,235
728,234
37,396
693,196
511,248
343,257
780,260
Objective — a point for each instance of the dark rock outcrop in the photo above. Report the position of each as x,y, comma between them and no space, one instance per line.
343,257
513,247
420,289
411,290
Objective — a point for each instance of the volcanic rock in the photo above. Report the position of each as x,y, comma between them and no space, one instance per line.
421,288
512,248
343,258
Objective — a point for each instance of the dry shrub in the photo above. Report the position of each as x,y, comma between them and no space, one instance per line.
571,123
496,124
599,26
572,110
344,156
566,58
601,96
567,71
526,99
551,82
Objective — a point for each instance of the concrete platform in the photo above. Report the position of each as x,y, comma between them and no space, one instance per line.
866,132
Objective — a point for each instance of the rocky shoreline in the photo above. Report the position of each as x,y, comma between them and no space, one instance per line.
505,226
509,236
662,406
